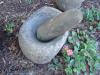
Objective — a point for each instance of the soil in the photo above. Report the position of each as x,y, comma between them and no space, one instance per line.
12,60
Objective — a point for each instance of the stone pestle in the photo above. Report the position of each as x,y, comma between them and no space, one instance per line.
58,25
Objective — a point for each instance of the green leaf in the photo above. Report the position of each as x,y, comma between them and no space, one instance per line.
78,43
74,33
98,26
87,54
98,15
70,39
55,61
85,73
72,62
75,70
83,66
76,49
9,27
29,1
69,71
78,70
89,15
91,73
91,28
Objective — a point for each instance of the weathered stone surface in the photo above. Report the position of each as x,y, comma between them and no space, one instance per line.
68,4
36,51
59,25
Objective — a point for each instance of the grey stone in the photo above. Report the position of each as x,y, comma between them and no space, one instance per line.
58,25
33,49
68,4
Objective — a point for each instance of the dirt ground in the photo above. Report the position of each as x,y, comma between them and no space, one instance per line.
12,60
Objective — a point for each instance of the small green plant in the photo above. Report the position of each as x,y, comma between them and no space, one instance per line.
78,54
91,14
84,52
92,17
56,64
9,27
83,46
29,1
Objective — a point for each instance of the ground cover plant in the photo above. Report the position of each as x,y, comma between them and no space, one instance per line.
9,27
80,54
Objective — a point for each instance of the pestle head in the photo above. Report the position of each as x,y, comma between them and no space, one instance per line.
59,25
